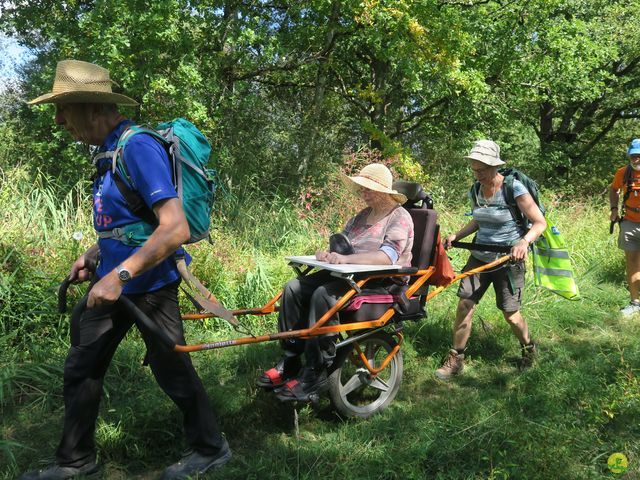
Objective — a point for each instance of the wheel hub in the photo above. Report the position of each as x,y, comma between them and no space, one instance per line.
364,376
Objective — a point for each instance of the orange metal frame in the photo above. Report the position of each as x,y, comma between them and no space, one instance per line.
320,329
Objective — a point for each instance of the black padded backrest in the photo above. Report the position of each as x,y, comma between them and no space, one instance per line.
416,196
425,222
425,229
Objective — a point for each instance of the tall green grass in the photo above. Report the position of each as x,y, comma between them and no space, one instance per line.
561,419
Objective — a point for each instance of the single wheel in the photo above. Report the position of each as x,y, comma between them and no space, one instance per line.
354,392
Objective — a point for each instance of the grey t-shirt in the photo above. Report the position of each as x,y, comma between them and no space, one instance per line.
496,225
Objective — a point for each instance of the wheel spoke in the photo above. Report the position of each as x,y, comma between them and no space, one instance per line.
352,384
379,384
371,351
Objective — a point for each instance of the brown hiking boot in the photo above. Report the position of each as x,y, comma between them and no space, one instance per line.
453,365
529,353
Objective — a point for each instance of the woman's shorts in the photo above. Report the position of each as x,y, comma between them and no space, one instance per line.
629,238
507,280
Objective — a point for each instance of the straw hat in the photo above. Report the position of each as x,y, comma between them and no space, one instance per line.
487,152
82,82
376,177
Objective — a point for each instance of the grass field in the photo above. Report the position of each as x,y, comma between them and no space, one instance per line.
561,419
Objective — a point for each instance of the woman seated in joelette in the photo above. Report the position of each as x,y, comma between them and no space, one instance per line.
381,234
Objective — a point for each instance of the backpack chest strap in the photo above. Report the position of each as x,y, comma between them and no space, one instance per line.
134,234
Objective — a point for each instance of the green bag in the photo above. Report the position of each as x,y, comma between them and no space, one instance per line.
552,267
188,151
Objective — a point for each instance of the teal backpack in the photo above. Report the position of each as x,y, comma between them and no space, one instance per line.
511,174
188,151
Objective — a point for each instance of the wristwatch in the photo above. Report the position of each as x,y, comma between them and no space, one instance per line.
123,274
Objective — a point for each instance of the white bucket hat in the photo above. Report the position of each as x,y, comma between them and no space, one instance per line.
82,82
376,177
487,152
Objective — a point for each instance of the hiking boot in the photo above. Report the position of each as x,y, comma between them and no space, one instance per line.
529,353
58,472
453,365
631,309
194,463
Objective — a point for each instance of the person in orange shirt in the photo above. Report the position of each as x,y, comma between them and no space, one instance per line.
627,181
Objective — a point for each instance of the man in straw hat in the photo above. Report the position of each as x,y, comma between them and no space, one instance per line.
87,108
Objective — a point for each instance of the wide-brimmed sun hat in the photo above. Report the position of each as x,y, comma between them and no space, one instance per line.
634,148
376,177
82,82
487,152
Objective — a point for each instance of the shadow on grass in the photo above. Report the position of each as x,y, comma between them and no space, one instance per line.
560,419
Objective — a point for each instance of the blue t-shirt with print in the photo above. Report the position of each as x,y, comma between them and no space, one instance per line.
148,166
496,225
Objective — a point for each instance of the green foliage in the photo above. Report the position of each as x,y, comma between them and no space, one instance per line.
283,89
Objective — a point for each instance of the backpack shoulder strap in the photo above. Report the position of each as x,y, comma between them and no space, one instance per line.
510,200
134,201
508,191
628,183
628,176
123,181
474,192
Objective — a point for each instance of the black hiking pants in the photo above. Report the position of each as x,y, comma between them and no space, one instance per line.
304,301
95,335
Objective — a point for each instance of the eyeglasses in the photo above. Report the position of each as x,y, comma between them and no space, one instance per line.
480,170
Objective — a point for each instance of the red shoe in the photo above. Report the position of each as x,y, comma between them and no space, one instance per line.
286,369
306,388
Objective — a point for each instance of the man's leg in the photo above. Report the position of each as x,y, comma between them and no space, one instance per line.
629,242
175,373
633,273
95,335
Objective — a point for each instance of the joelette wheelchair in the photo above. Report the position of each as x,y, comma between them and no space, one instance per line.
366,373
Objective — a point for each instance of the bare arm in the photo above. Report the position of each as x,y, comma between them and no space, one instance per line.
538,224
171,232
377,257
465,231
614,199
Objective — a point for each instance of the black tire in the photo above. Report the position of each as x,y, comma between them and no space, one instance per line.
353,392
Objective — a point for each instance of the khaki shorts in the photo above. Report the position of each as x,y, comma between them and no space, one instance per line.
629,238
507,280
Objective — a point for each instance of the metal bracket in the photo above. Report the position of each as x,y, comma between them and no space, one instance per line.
349,279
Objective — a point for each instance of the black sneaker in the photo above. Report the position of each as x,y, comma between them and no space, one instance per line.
57,472
194,463
306,388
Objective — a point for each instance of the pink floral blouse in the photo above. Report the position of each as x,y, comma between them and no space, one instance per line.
393,235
